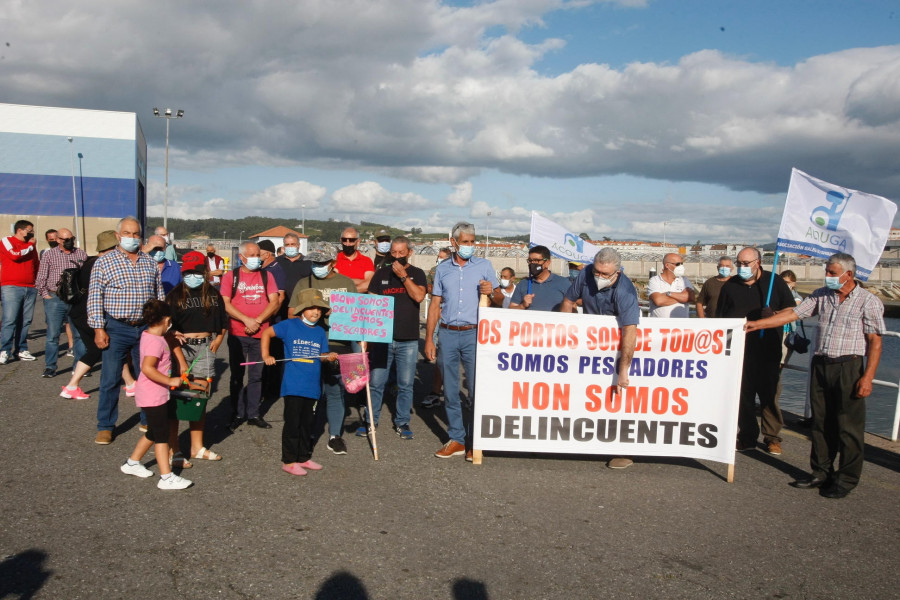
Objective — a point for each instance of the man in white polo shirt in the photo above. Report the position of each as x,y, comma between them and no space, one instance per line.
670,292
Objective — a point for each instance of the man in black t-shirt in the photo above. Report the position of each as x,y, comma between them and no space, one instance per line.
406,285
744,295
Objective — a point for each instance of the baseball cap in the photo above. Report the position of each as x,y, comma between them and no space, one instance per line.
267,245
193,261
383,233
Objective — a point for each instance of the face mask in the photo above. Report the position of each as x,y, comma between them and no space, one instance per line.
52,244
193,281
833,283
291,251
678,271
211,254
320,271
572,274
440,260
384,247
602,282
130,244
158,255
466,252
724,271
535,270
402,260
308,322
253,263
504,283
29,236
348,250
745,272
69,244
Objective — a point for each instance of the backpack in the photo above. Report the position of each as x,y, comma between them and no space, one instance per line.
237,278
68,290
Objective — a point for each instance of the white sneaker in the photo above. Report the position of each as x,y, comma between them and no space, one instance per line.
174,483
137,470
4,357
70,354
26,355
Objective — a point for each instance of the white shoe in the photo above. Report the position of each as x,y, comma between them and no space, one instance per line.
137,470
70,354
4,357
26,355
174,483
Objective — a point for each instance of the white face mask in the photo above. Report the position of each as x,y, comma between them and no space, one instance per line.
603,282
504,283
291,251
678,271
384,247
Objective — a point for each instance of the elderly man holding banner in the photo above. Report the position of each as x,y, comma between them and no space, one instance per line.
458,285
851,324
605,290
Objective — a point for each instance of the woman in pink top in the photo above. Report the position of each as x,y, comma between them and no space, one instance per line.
151,393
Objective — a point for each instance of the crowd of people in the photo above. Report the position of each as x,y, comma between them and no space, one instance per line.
156,325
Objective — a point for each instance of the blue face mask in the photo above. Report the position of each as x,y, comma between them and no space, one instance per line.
745,272
466,252
158,255
193,280
724,271
833,283
320,271
130,244
308,322
291,251
384,247
253,263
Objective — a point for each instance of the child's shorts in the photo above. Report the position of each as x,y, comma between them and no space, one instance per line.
158,418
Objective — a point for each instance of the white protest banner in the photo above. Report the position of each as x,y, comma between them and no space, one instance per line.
561,243
546,384
821,219
361,317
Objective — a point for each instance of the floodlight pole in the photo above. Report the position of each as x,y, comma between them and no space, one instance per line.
168,116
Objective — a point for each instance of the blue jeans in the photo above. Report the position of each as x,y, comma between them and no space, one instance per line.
404,355
245,399
18,310
458,347
333,400
56,312
123,340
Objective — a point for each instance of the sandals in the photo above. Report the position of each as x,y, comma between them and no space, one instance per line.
204,454
178,461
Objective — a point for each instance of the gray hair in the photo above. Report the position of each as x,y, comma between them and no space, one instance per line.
446,250
845,260
461,228
125,220
402,239
247,244
756,250
723,258
291,236
608,256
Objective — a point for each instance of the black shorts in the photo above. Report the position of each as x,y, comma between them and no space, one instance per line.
158,420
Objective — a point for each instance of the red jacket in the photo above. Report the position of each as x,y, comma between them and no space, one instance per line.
18,262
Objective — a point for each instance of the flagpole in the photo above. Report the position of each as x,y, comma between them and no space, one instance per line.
371,414
771,281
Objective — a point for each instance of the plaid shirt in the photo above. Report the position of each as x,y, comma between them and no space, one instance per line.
53,262
119,288
843,326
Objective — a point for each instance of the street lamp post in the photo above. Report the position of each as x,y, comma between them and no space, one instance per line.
74,193
167,115
487,236
303,222
241,238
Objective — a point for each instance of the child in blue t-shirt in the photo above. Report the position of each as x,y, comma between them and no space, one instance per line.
304,343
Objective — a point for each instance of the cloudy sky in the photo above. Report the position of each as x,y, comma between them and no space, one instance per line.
610,117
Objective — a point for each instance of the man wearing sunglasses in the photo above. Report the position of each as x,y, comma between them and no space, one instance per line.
351,263
670,292
542,290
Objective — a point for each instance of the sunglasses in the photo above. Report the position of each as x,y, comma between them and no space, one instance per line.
343,239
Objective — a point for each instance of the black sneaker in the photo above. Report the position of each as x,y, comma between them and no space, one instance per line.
404,431
48,373
337,445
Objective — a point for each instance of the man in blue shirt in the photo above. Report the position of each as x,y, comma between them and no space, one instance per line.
542,290
605,290
169,270
458,285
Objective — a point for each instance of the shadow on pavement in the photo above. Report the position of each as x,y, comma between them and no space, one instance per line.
23,575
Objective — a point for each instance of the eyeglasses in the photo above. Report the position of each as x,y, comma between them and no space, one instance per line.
343,239
536,261
676,264
746,263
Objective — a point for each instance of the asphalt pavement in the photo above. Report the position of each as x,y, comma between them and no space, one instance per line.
414,526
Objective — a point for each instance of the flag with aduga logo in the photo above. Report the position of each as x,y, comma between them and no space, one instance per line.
563,244
821,218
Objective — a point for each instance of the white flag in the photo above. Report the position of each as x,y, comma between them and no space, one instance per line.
561,243
821,219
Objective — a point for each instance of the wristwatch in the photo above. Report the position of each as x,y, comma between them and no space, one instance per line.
668,294
403,279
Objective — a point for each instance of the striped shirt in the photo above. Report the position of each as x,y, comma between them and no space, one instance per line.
843,325
119,288
53,262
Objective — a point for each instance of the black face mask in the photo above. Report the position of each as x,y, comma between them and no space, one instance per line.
29,236
211,254
535,270
402,261
348,250
69,244
52,244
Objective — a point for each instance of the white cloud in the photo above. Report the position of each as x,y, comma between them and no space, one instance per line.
370,198
289,196
461,195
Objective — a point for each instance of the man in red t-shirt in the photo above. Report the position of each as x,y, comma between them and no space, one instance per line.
251,301
18,270
351,263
